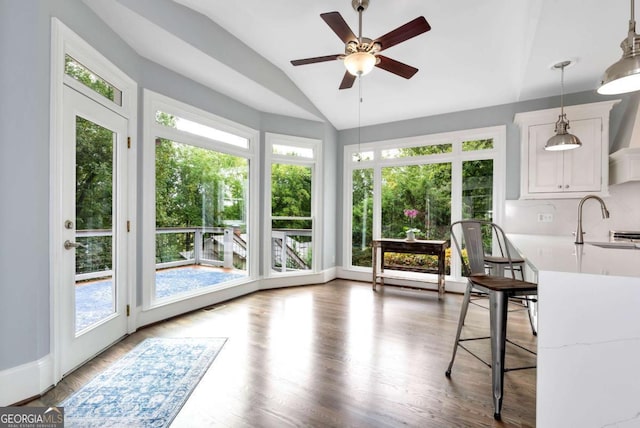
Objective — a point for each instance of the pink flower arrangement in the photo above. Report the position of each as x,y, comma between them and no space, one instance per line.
412,213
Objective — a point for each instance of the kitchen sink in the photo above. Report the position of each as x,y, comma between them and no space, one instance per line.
619,244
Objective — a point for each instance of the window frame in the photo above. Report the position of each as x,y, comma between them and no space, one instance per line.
153,102
315,162
456,157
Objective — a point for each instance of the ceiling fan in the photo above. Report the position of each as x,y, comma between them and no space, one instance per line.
361,54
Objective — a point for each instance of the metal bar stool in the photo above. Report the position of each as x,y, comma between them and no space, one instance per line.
468,234
497,265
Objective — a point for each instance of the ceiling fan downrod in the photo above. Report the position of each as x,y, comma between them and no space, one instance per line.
360,6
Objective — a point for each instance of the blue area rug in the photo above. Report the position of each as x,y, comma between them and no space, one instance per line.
145,388
94,302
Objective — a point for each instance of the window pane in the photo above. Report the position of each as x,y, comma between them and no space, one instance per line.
416,197
416,151
477,145
200,130
362,156
88,78
477,189
95,287
291,245
362,217
201,234
290,190
280,149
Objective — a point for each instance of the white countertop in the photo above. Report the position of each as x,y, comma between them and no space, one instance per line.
560,254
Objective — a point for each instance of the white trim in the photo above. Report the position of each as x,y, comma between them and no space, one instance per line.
317,186
153,101
25,381
453,285
293,280
64,40
188,304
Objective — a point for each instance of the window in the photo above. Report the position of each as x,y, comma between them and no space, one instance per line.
199,129
91,80
201,173
292,204
422,183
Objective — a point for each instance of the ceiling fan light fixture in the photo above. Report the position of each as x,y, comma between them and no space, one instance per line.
360,63
562,140
624,75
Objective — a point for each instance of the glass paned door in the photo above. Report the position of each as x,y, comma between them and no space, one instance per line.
92,305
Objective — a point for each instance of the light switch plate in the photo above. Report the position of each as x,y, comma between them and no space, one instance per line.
545,217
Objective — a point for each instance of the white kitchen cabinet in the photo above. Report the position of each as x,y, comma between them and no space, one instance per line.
571,173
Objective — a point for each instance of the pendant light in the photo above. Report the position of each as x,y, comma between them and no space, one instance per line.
624,75
562,140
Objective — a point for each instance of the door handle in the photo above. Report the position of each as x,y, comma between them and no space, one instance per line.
69,245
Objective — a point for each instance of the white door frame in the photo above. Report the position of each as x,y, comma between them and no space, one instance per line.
78,348
65,41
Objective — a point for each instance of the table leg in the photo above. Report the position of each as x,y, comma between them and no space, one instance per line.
498,327
374,257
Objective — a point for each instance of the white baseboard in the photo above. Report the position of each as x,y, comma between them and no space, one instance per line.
26,381
354,275
163,312
295,280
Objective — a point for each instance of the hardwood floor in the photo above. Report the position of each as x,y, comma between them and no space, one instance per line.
338,355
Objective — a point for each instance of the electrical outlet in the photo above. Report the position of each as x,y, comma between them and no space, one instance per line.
545,217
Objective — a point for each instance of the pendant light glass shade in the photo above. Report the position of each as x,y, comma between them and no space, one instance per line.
360,63
562,140
624,75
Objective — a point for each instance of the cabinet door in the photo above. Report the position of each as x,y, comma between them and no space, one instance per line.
545,168
583,166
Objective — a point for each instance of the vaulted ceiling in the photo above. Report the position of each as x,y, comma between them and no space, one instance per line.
477,54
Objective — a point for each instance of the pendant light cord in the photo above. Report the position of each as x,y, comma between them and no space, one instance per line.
562,91
632,21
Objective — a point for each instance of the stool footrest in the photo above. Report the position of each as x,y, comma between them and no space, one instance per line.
469,339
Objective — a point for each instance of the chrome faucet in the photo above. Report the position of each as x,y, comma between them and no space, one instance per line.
605,214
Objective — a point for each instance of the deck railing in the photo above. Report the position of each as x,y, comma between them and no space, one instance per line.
182,246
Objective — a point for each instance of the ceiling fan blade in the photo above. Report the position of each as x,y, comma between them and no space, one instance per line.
347,80
315,59
396,67
404,32
339,26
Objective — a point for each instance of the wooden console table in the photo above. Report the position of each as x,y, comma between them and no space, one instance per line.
433,248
